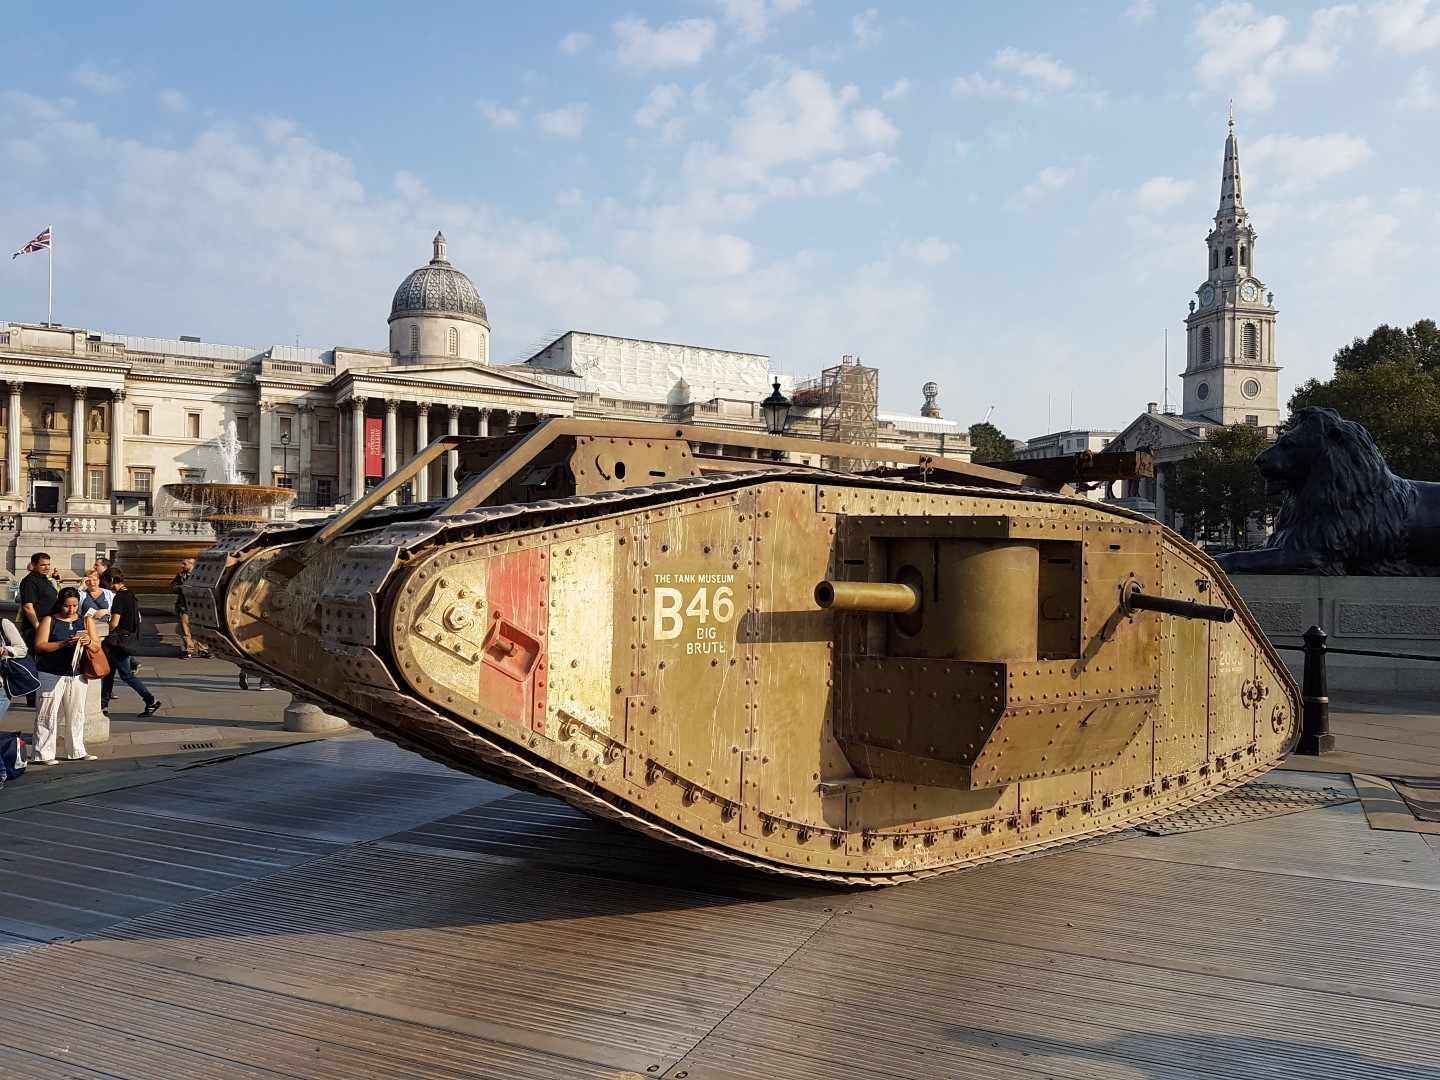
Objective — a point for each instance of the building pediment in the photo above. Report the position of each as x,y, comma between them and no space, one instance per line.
439,381
1159,432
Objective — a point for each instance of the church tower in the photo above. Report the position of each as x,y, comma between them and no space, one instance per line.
1230,375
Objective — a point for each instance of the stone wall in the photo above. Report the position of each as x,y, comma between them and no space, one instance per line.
1384,614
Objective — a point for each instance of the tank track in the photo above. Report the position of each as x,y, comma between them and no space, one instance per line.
375,702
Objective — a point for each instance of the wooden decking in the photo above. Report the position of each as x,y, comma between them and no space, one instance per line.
343,909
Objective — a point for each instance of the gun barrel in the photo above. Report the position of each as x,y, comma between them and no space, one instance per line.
867,596
1186,609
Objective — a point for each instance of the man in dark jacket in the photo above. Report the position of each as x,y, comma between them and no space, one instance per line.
182,610
124,632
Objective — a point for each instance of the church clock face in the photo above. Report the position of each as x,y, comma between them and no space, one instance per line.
1207,296
1248,292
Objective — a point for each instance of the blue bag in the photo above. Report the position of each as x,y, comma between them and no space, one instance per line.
12,757
19,676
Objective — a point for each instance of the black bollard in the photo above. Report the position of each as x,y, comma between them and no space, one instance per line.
1315,737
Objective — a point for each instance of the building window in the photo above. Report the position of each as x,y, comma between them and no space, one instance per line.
1244,256
192,425
1229,256
324,492
1205,347
452,341
287,428
1215,259
142,423
242,429
1252,341
1252,420
95,484
325,432
285,480
1202,391
142,479
414,341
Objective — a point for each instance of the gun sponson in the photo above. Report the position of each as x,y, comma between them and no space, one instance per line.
1186,609
867,596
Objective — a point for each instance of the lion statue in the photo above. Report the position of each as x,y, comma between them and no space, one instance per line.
1347,513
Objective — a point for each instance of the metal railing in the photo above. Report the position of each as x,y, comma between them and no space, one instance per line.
1315,735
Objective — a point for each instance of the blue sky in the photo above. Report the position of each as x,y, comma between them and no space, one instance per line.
1009,199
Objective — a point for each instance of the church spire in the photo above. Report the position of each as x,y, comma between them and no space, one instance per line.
1232,204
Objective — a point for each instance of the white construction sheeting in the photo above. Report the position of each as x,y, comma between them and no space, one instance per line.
655,370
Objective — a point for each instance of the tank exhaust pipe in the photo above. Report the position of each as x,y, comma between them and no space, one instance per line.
868,596
1186,609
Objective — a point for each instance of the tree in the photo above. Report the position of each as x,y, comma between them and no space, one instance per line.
1219,488
990,443
1389,344
1396,400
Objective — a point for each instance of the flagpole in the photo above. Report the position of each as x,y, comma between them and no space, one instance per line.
50,264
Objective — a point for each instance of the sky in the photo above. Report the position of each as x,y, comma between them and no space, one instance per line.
1009,199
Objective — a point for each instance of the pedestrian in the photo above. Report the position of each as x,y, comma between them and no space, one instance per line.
59,639
182,611
11,645
124,633
37,597
95,601
102,564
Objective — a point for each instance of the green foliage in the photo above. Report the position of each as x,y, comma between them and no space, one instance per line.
1396,400
990,443
1219,488
1389,344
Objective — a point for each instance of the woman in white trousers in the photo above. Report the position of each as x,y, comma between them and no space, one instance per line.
58,641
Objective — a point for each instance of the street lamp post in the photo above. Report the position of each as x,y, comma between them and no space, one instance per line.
776,409
33,474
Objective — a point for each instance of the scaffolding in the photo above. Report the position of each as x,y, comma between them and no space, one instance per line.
849,409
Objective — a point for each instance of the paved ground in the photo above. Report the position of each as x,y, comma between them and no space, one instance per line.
344,909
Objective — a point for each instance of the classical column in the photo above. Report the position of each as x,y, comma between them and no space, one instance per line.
452,458
77,445
266,467
392,420
484,422
305,481
13,476
422,440
357,448
117,441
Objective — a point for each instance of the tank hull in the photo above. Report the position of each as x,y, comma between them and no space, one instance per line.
656,655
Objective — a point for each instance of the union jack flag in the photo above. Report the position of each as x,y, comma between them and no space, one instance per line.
40,243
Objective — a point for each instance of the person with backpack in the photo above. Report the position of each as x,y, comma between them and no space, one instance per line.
124,633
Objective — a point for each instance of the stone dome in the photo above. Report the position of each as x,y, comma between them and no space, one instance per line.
438,289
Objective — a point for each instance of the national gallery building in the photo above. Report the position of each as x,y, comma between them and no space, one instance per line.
96,424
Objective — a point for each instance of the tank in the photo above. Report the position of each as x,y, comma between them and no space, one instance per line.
852,677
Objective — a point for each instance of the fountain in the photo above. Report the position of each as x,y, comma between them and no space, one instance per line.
225,505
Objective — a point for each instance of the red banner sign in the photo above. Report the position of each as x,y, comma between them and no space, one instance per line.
374,447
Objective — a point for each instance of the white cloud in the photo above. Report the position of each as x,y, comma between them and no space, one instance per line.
752,18
659,103
567,123
173,101
1139,12
1419,94
1244,52
1050,180
873,128
89,77
501,118
1299,163
1161,193
932,251
961,148
1039,75
570,197
679,44
897,91
24,153
865,28
574,43
1407,26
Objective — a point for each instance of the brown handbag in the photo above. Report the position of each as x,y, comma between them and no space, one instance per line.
96,666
